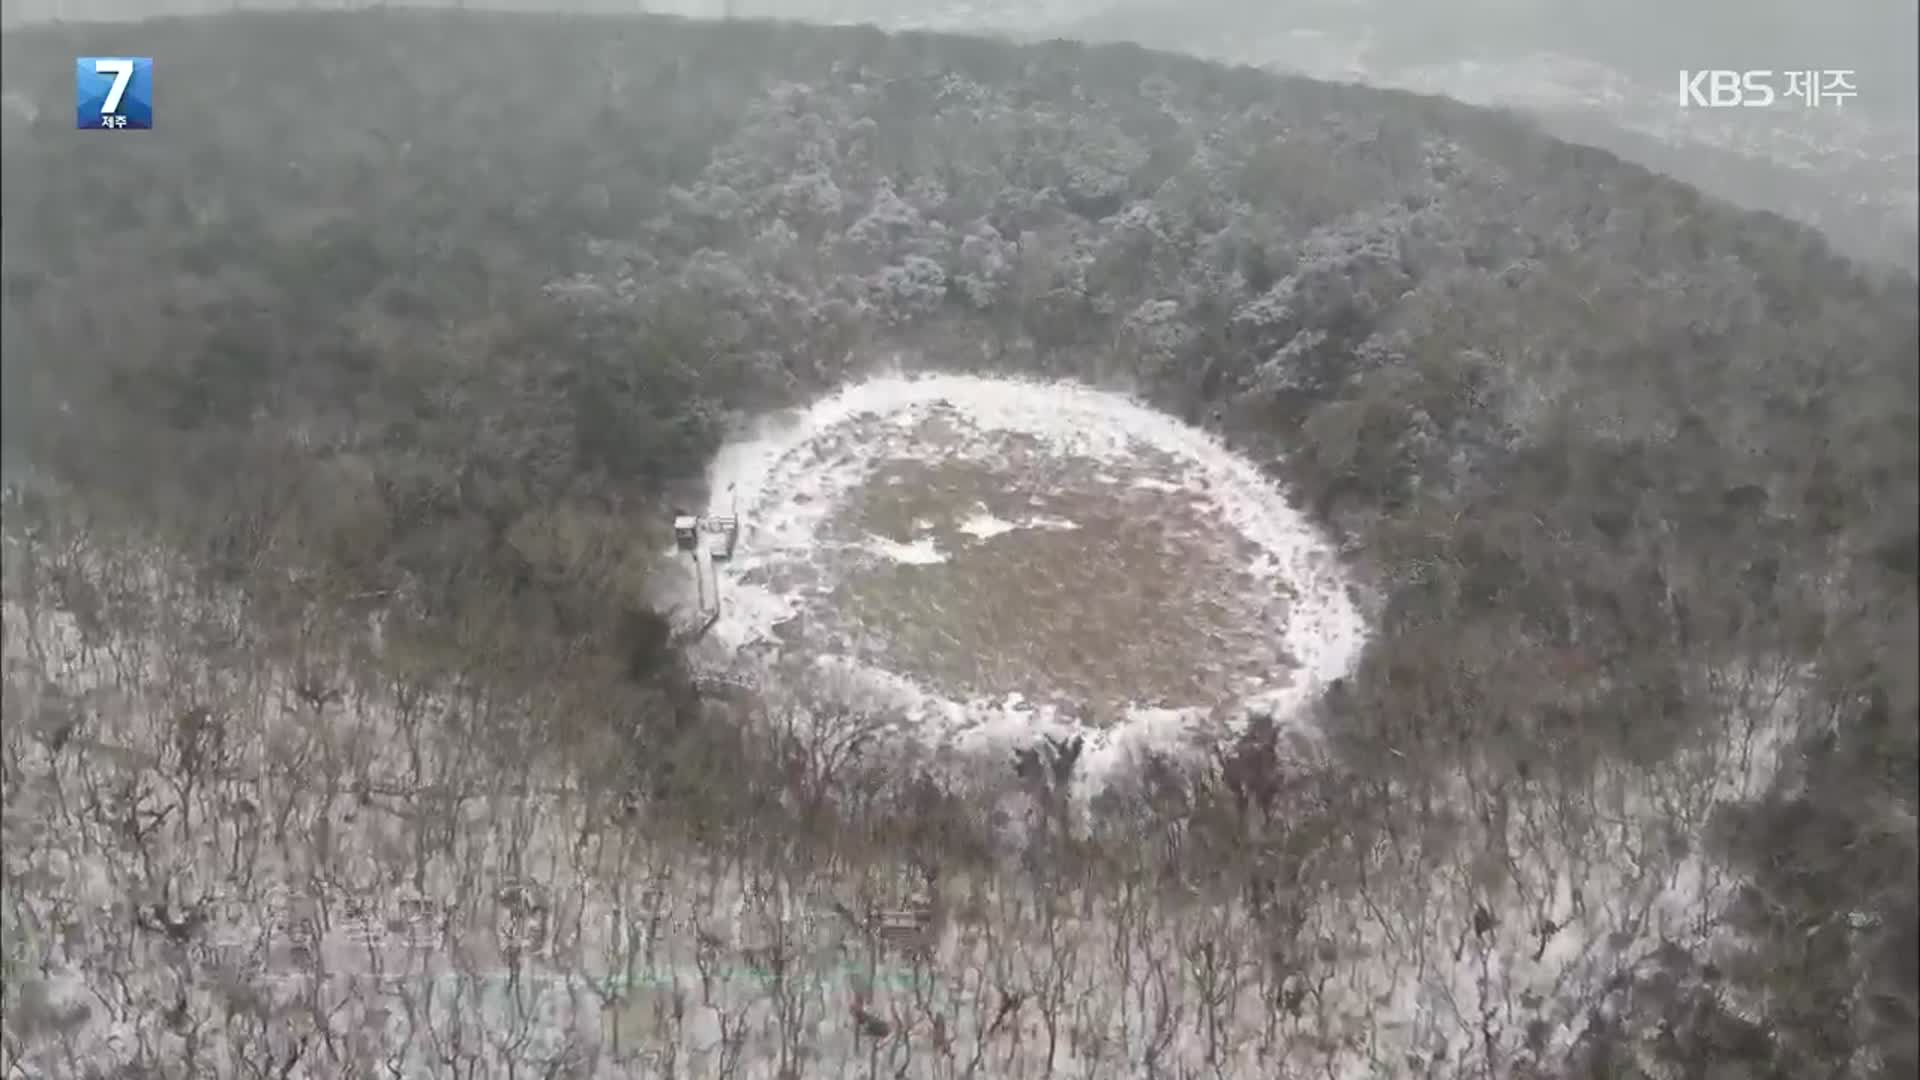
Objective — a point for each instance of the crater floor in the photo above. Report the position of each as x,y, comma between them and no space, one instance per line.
1008,557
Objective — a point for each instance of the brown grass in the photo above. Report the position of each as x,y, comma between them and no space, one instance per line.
1147,601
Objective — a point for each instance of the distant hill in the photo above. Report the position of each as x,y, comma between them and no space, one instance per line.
1606,75
1597,74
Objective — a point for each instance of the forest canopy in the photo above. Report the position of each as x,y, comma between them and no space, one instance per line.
440,313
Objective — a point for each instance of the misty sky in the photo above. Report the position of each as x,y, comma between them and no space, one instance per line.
1874,37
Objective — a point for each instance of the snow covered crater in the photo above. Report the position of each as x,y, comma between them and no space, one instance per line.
1000,559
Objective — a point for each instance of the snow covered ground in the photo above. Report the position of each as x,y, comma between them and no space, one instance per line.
1082,605
1437,955
355,868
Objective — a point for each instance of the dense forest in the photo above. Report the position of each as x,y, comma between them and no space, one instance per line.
343,410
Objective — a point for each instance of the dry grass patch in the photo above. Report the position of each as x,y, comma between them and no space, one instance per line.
1071,580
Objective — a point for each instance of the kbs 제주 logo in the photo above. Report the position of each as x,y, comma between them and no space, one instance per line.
1710,89
113,93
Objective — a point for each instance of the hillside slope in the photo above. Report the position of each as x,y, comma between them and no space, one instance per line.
1600,75
1604,75
334,406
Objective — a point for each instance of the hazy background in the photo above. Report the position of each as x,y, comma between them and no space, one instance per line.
1644,37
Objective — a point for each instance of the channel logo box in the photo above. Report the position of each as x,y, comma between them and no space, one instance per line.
113,93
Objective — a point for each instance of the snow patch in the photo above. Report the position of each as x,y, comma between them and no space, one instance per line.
790,477
1154,483
923,552
984,526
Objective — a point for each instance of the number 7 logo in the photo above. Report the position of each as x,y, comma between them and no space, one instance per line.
114,93
121,69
